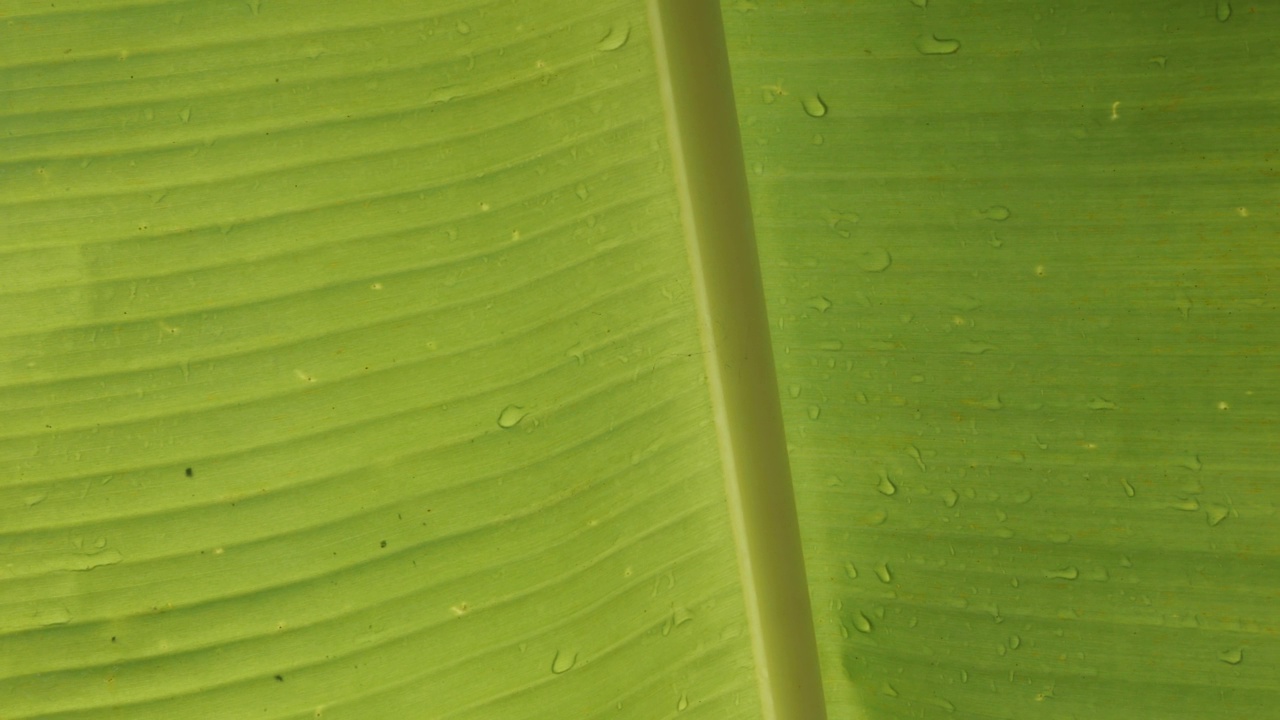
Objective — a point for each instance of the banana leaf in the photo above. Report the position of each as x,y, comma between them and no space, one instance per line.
497,359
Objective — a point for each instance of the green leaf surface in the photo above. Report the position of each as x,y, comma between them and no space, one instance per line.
393,359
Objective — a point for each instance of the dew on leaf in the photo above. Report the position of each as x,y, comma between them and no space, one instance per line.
617,36
814,106
934,45
511,416
563,662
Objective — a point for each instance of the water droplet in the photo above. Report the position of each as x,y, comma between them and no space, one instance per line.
882,572
1128,489
563,662
876,259
998,213
993,402
1099,403
1066,573
831,345
1060,537
511,416
814,412
887,689
818,139
793,390
886,486
1004,533
976,348
842,222
914,452
950,498
943,703
934,45
683,703
757,168
821,304
1158,60
862,622
844,631
1216,514
1014,642
581,191
1183,303
1191,463
850,570
1231,657
920,3
185,114
1224,11
463,28
964,676
814,106
617,36
53,616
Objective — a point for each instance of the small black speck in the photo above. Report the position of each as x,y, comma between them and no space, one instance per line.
191,473
113,638
384,543
279,678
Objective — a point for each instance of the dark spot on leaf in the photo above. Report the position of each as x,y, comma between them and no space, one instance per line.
191,473
279,678
384,543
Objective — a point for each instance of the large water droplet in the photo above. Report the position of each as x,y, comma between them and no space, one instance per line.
998,213
1216,514
821,304
1233,656
1128,489
563,662
934,45
862,623
850,570
814,412
683,703
1100,403
883,572
814,106
617,36
511,416
886,486
1224,11
950,498
876,259
1066,573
